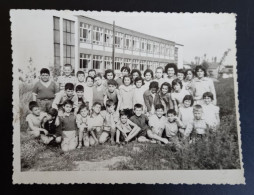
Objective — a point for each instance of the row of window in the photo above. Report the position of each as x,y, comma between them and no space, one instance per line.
100,36
105,62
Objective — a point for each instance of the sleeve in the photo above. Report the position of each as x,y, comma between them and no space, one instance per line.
217,109
173,97
188,129
78,121
146,100
75,101
151,121
56,88
57,100
35,88
28,118
212,89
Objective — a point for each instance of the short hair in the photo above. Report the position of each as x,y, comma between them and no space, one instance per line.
148,71
96,103
186,72
200,67
208,94
177,81
171,65
109,103
124,113
98,75
189,97
159,106
90,78
139,79
126,68
80,72
197,107
91,70
181,71
136,70
68,102
69,86
53,112
112,82
127,76
81,107
171,111
109,71
79,88
68,65
166,84
138,106
44,71
32,105
154,84
159,68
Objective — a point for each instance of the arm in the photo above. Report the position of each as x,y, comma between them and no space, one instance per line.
179,123
212,89
119,101
146,100
188,130
133,124
105,99
56,101
94,136
34,128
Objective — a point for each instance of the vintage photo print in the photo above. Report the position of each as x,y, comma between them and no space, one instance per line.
125,97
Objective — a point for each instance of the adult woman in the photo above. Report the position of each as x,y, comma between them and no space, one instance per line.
171,71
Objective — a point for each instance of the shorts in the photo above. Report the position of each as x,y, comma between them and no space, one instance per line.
142,132
70,140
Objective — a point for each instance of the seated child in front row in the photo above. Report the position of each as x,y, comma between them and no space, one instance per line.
81,120
69,127
112,93
125,128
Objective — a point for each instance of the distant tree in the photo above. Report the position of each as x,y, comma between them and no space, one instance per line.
205,64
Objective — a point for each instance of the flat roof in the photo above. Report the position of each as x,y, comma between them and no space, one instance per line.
142,34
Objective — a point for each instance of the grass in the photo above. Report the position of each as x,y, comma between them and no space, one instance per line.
220,152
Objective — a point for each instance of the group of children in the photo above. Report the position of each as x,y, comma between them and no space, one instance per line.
166,107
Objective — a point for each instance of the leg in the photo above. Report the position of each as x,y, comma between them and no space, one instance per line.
117,136
143,139
132,134
80,137
58,139
46,139
64,145
103,138
35,133
73,142
91,141
152,135
112,135
86,140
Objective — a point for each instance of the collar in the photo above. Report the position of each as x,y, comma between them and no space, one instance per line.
199,80
67,76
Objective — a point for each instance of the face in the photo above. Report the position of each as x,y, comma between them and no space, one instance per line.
171,72
62,86
111,108
207,100
45,77
148,76
138,111
159,113
127,81
171,117
89,82
135,75
91,73
187,103
81,77
177,87
180,76
111,88
125,72
109,76
197,114
124,119
97,108
84,112
153,90
158,73
139,84
189,75
98,81
67,108
80,94
200,73
69,92
36,111
164,89
67,70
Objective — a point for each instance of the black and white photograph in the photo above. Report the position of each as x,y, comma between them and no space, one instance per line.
125,97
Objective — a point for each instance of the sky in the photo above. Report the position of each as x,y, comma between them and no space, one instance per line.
210,34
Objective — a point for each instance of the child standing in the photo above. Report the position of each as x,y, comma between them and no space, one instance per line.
171,70
91,73
112,93
44,90
134,74
108,75
159,76
81,120
148,75
189,76
99,90
69,127
88,89
67,77
165,97
138,91
125,70
80,78
211,112
80,95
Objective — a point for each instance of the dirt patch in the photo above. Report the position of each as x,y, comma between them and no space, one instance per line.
99,165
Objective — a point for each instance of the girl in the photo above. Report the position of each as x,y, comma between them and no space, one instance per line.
202,84
125,70
186,112
126,95
165,97
189,75
81,120
211,112
109,74
178,94
134,74
99,90
148,75
181,76
88,91
138,91
171,71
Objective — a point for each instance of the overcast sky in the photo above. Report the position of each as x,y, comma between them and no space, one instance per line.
210,34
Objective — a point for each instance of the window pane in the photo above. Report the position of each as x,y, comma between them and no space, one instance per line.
72,62
64,25
72,39
64,51
72,51
68,54
56,36
68,29
57,60
56,23
72,27
64,38
57,49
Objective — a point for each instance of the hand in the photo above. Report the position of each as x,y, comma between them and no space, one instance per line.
45,131
125,136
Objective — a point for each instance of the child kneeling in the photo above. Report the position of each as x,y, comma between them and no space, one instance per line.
81,120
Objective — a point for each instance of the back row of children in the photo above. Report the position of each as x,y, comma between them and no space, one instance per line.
124,96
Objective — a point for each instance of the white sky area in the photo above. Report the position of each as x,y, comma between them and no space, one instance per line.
210,34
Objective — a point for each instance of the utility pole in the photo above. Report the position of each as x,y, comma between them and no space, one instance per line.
113,48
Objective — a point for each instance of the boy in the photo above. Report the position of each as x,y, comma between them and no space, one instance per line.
44,90
112,93
95,124
69,127
80,95
111,117
172,126
80,78
88,95
91,73
198,126
157,124
66,78
125,129
125,70
98,90
159,75
35,119
62,96
141,121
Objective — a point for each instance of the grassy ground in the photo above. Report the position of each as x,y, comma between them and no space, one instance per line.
220,152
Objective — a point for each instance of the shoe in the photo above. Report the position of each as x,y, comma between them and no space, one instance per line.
79,146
